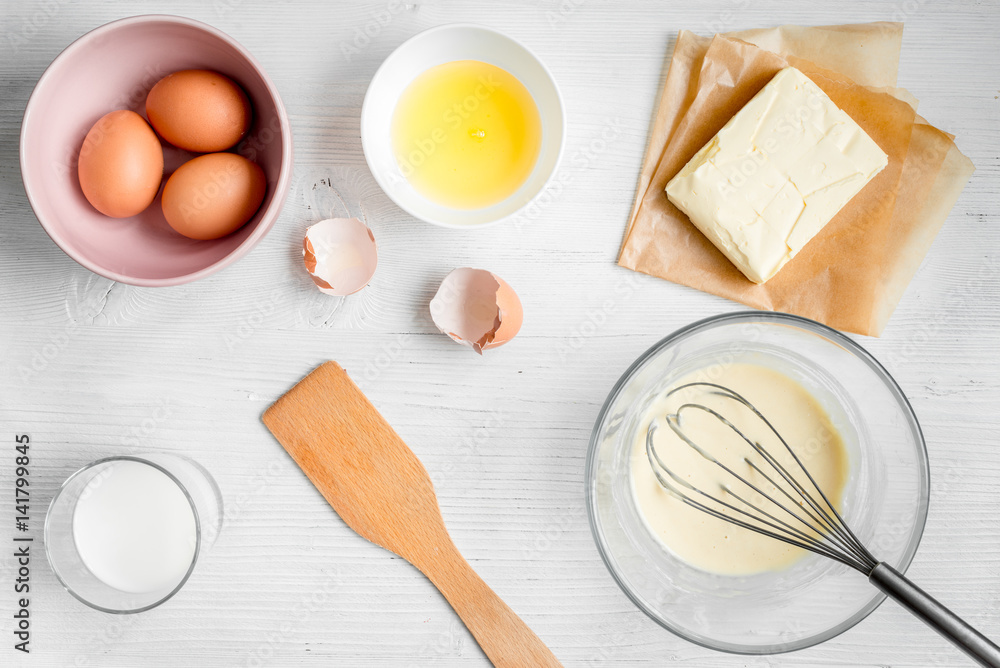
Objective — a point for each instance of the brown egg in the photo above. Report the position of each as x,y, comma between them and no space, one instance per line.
213,195
120,165
199,110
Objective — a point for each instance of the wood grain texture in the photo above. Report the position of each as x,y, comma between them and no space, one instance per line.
381,490
91,368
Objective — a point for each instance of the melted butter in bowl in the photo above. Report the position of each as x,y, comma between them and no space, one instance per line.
747,602
467,134
692,535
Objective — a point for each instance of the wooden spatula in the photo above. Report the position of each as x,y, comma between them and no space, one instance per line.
380,488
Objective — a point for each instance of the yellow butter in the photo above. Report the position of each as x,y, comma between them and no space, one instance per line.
775,174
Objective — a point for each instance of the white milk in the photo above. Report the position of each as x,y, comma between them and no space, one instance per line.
134,528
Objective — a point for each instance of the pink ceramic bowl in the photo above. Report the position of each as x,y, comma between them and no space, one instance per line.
113,67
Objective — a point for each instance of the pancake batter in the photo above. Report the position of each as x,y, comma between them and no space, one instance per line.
707,542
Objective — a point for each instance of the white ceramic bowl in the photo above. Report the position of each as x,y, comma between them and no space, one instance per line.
458,41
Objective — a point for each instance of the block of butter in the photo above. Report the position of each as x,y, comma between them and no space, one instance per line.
777,172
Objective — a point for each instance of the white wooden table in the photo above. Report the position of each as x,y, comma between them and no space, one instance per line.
91,367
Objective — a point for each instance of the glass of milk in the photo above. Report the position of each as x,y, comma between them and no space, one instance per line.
123,534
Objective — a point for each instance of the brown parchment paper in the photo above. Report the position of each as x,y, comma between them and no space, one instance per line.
924,201
867,53
853,273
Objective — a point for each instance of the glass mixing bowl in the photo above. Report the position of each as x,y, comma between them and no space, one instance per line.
885,499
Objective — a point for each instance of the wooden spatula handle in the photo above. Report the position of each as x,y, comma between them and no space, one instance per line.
503,636
380,488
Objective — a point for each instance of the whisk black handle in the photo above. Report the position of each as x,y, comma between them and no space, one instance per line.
892,583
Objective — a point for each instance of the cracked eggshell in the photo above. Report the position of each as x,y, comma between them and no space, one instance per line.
477,308
340,255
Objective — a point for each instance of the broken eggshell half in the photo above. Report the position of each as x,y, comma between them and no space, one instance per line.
477,308
340,255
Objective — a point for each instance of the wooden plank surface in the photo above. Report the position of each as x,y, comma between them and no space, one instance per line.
91,368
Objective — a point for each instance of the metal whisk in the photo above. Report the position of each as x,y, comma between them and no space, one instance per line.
800,514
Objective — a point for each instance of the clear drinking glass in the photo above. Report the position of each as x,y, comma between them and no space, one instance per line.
885,499
123,534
